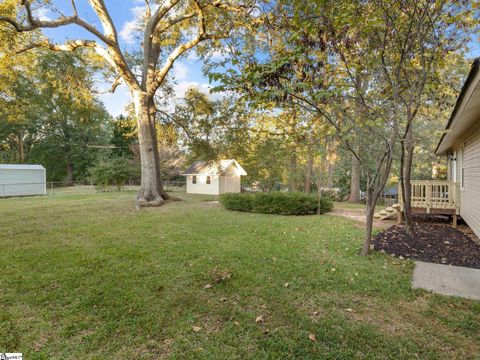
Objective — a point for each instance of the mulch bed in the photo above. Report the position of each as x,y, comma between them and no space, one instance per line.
431,243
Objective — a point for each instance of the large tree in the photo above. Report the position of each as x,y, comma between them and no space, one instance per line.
169,29
50,116
73,121
364,78
420,38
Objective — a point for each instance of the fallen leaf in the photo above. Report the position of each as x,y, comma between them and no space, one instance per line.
312,337
196,328
259,319
349,310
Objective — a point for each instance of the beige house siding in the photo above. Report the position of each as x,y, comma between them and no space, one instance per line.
449,169
201,187
468,156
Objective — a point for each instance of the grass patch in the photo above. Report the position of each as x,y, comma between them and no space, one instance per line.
88,276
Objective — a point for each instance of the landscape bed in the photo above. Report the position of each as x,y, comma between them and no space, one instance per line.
437,243
87,276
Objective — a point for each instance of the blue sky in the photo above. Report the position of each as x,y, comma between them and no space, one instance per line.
186,72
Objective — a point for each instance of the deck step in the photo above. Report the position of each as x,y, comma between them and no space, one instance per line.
386,213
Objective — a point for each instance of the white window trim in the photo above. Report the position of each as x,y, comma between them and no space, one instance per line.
453,164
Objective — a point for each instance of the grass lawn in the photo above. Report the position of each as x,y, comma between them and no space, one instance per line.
89,277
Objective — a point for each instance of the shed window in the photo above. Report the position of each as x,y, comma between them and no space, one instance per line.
194,179
208,180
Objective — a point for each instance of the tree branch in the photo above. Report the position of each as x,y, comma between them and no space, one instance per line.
149,59
112,54
104,16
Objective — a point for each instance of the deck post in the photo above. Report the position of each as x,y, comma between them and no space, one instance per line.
454,221
400,217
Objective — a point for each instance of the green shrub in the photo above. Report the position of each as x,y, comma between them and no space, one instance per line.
111,172
284,203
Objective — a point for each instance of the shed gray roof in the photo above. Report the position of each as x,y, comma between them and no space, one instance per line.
21,167
212,167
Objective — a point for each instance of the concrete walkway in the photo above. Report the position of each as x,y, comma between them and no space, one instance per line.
447,280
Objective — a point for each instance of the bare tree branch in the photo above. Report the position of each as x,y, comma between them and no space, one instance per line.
104,16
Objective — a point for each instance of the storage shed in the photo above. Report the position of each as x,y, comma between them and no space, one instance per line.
22,180
214,177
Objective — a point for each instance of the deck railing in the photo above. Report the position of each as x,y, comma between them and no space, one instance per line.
433,194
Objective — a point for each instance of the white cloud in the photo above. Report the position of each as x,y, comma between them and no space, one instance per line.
129,28
42,14
183,86
115,103
180,71
192,55
217,55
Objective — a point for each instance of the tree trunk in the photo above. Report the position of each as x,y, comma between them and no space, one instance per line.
293,171
319,191
405,179
355,181
330,149
69,180
21,149
151,192
369,212
330,174
308,173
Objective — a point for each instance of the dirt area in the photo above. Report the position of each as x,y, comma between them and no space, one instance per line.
432,242
359,215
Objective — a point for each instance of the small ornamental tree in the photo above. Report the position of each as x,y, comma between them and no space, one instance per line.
111,172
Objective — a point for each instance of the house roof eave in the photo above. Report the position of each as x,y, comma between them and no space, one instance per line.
442,148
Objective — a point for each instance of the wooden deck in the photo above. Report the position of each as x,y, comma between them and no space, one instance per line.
433,197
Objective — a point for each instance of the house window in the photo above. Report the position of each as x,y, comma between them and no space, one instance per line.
194,179
208,180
